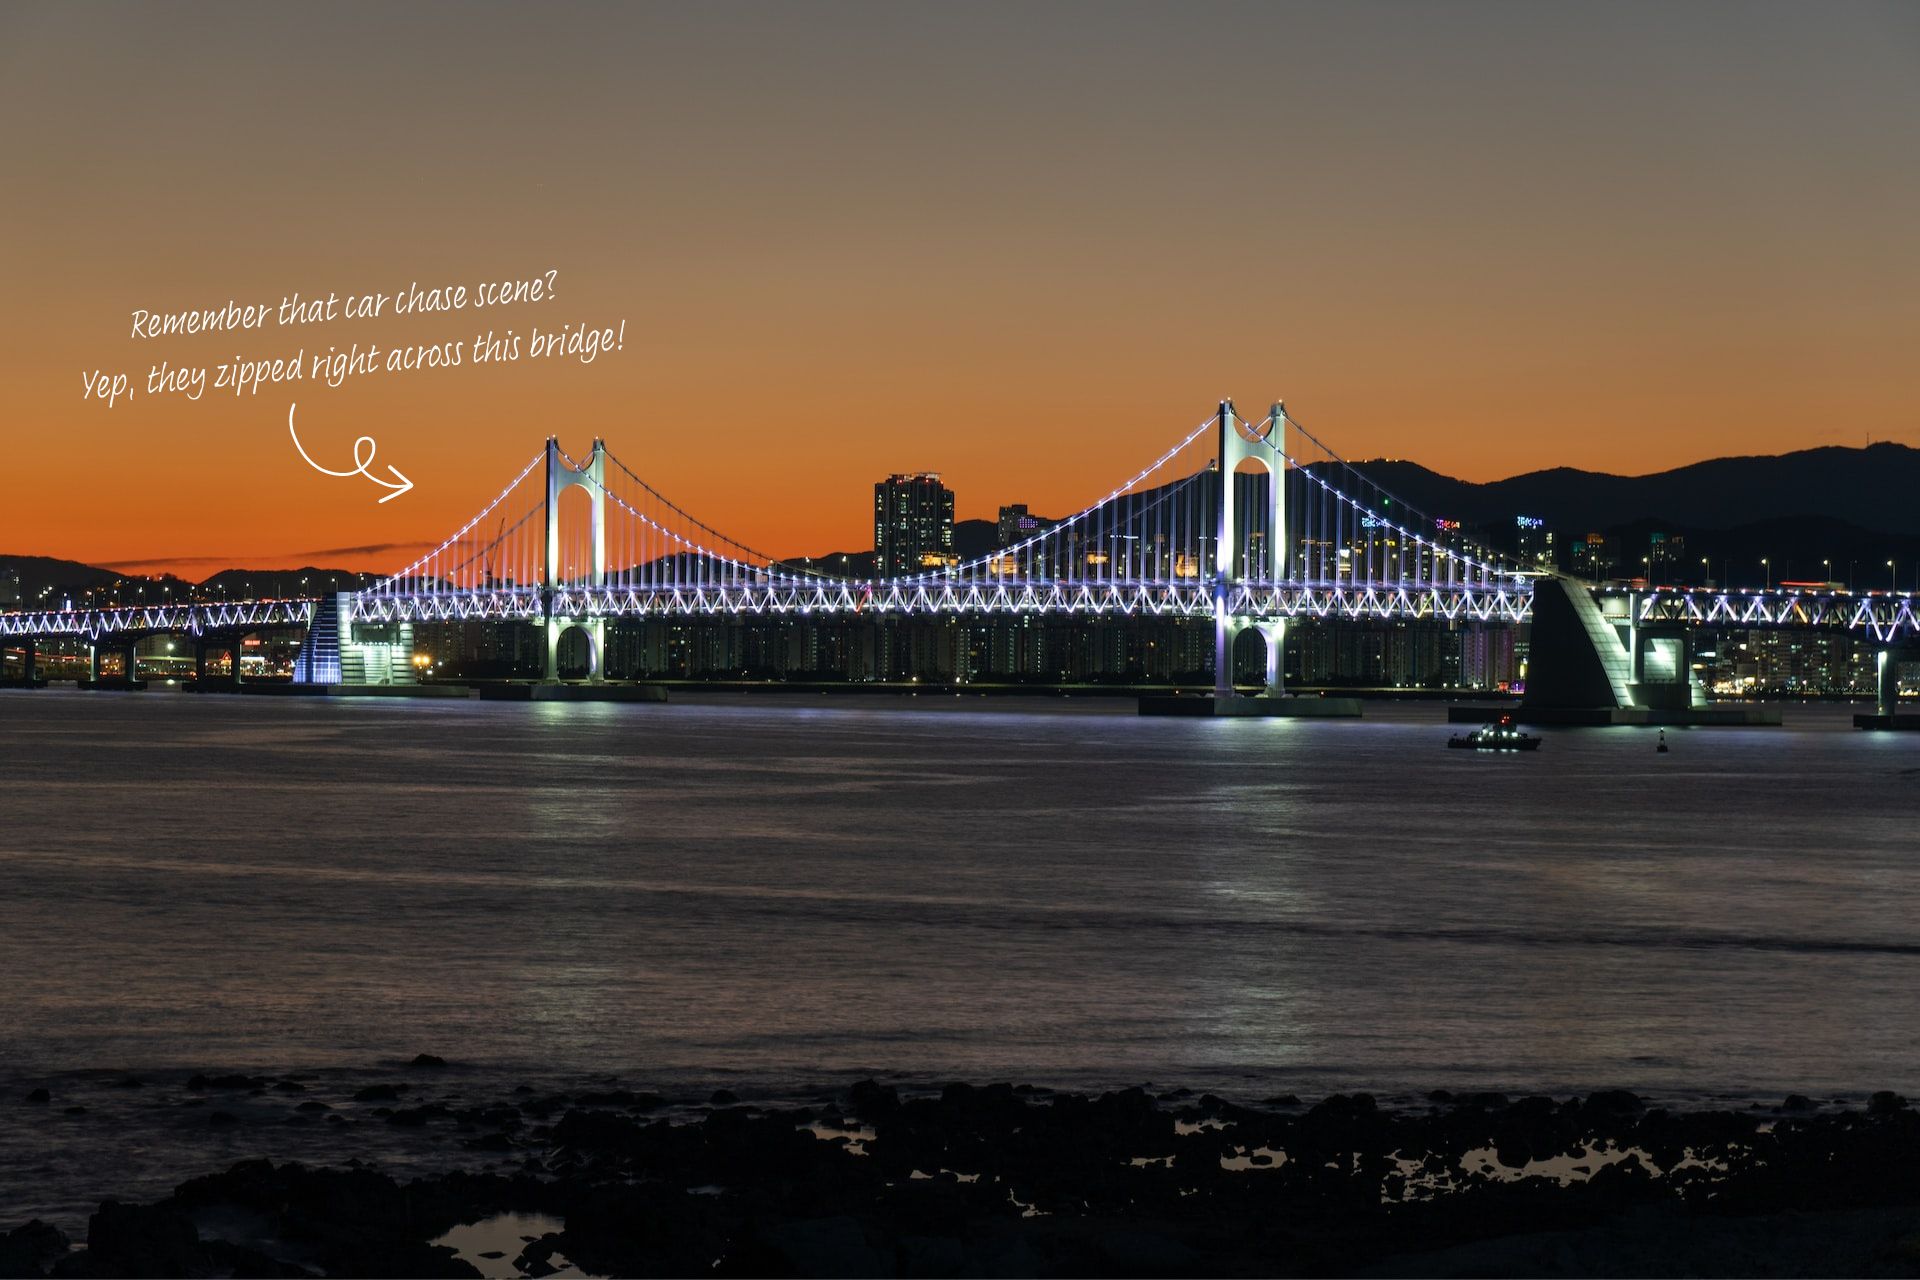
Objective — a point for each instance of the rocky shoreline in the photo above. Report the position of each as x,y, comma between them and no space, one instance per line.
1008,1179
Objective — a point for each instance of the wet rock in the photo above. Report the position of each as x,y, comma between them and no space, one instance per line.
39,1095
414,1117
138,1240
427,1061
536,1259
870,1099
489,1142
222,1119
380,1093
313,1104
289,1086
723,1098
225,1083
1798,1102
1885,1103
30,1249
74,1111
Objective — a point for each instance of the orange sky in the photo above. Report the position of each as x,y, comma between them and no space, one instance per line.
1026,246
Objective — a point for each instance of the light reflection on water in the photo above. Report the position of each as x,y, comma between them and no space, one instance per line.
783,892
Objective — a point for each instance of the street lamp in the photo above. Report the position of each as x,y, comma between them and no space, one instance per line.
1706,573
1893,577
1826,572
1765,564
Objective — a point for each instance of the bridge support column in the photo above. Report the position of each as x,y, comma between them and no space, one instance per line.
233,671
1224,634
130,661
200,662
28,654
1264,443
1887,680
591,476
1275,634
595,629
93,662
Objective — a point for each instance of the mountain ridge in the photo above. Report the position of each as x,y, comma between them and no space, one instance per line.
1845,497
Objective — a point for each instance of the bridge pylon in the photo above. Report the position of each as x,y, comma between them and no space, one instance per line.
1264,442
561,476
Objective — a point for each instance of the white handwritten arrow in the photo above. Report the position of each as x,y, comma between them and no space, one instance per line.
361,461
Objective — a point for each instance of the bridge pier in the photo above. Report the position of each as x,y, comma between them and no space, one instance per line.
93,662
130,663
591,475
28,655
1886,680
595,631
1235,567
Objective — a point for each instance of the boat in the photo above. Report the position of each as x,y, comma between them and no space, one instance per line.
1501,735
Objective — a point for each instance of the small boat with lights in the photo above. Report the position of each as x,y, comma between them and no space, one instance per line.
1501,735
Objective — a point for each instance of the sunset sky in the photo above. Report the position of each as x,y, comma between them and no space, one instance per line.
1027,246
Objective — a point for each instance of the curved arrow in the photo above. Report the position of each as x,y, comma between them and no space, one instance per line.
360,462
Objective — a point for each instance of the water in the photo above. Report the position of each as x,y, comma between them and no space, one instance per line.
788,893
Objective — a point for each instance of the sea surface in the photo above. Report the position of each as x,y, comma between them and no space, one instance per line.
782,894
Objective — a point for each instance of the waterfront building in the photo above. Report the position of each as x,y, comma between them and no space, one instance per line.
912,524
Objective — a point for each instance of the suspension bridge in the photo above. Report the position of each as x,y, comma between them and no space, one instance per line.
1253,524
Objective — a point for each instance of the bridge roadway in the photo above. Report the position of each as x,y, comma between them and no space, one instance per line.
1641,620
1882,616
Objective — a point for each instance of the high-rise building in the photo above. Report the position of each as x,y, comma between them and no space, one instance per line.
1016,525
1536,542
912,524
1594,557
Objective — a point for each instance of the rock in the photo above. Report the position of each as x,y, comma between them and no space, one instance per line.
414,1117
140,1240
312,1104
871,1099
222,1119
1885,1103
39,1095
723,1098
289,1086
490,1142
380,1093
75,1111
427,1061
1798,1102
30,1249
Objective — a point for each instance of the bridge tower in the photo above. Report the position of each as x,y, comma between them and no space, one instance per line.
561,476
1266,443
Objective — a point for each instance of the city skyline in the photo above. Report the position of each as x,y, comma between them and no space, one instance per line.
1860,521
1446,234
